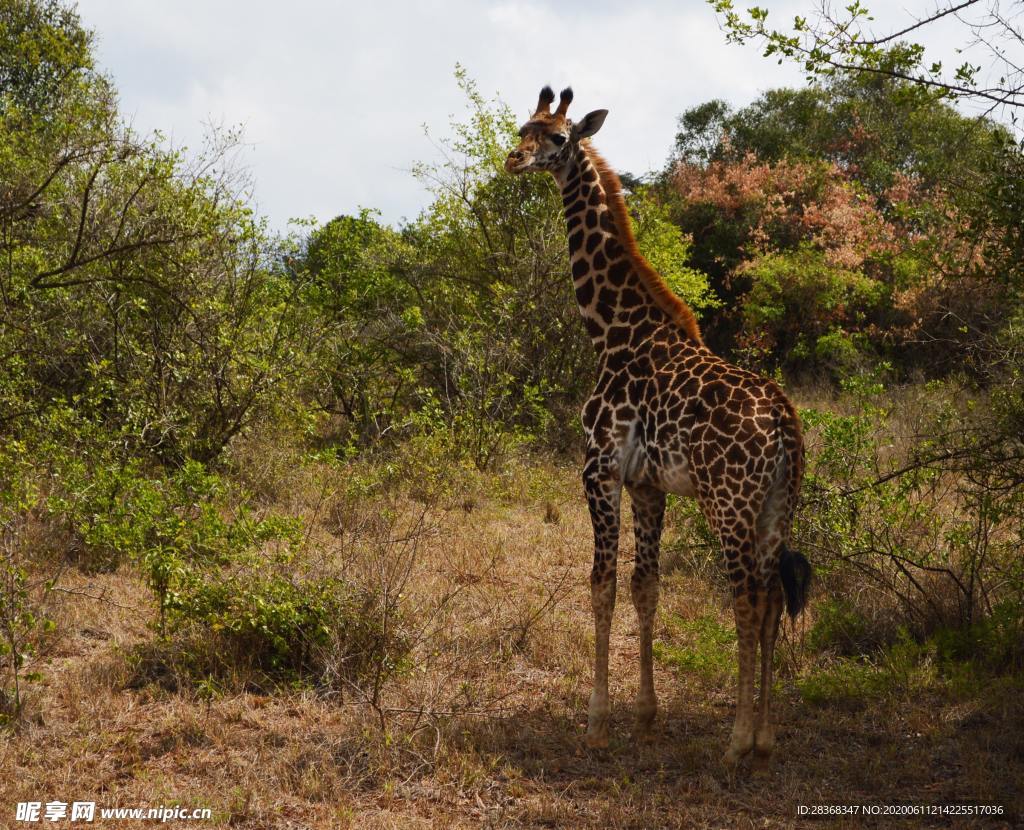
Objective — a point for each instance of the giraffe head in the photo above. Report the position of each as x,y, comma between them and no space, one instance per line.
549,139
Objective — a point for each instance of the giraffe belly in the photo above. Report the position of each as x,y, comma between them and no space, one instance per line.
676,479
636,466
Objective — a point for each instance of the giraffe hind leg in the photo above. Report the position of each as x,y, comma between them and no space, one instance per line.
764,734
772,529
749,601
648,517
747,606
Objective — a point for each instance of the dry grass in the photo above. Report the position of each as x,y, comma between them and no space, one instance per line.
485,728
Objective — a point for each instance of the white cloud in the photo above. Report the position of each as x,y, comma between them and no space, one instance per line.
333,96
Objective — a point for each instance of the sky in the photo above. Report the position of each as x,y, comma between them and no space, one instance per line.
333,97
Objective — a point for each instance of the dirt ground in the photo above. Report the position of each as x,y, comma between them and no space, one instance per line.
485,731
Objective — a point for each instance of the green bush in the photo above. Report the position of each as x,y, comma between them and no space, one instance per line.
800,304
903,667
957,660
282,628
668,251
994,645
847,682
233,590
136,285
708,647
24,585
690,545
843,628
23,625
926,531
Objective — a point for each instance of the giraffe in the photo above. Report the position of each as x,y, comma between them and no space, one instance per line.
669,416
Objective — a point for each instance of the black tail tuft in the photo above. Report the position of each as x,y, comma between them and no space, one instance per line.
795,571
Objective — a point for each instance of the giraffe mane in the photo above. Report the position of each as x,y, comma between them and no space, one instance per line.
664,297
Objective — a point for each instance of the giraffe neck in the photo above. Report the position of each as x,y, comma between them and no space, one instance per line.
617,292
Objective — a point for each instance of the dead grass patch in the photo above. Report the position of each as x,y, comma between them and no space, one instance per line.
483,727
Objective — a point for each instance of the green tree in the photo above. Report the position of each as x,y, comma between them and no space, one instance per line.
830,43
43,51
135,283
880,174
466,315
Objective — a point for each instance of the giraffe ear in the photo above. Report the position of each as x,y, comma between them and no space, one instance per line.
591,123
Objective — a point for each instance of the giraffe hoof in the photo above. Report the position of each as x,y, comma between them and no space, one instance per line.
764,744
597,722
645,715
737,751
643,733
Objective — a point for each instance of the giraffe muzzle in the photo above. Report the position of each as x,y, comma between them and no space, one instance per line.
516,162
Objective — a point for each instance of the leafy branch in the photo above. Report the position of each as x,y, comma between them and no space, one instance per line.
832,44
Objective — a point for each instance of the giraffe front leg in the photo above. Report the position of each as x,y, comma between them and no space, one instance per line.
648,517
603,497
602,597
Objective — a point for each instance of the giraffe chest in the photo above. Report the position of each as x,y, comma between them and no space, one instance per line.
636,450
664,465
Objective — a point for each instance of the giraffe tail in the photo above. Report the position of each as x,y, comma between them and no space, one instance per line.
795,572
794,569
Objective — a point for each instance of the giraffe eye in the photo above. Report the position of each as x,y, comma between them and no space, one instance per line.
558,139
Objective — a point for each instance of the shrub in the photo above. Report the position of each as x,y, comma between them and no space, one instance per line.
929,530
902,669
690,544
843,627
136,285
278,628
960,660
668,251
924,208
22,625
799,305
25,585
234,591
708,646
995,644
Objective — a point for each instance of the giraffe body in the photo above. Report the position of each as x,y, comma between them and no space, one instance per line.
669,416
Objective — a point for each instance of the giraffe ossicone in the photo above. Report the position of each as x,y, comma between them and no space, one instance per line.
669,416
